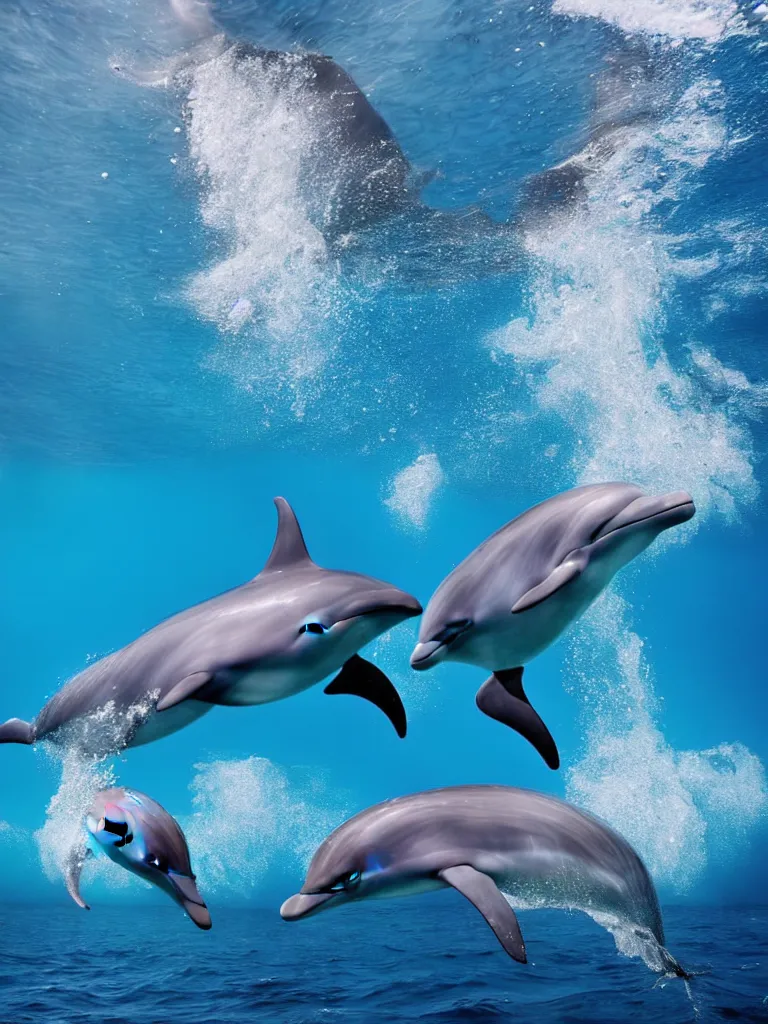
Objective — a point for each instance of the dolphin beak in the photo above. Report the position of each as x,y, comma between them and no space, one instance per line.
187,894
427,654
665,511
304,903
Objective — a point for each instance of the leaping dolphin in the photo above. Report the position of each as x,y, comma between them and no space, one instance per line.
282,632
486,841
137,833
517,592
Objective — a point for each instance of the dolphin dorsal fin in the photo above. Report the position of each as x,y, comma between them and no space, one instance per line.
289,548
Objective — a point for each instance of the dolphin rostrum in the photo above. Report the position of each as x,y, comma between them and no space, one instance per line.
282,632
517,592
135,832
484,841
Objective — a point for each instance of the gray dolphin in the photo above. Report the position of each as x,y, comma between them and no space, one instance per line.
354,173
137,833
482,841
282,632
517,592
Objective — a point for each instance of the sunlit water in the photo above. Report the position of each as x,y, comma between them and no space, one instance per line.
180,343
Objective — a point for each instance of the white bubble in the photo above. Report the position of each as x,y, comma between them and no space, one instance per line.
250,815
678,808
413,490
708,20
595,326
81,779
275,268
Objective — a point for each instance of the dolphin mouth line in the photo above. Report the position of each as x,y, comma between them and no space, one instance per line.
400,609
645,519
305,903
450,635
421,661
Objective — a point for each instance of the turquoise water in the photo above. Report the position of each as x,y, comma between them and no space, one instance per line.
179,345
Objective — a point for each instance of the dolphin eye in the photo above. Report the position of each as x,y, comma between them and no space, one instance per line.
116,828
120,829
451,630
155,860
314,627
346,882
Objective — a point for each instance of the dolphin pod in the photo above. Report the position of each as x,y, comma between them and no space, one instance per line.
487,841
285,630
135,832
294,625
522,587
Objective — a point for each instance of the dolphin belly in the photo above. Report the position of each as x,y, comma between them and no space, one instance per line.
157,726
542,878
512,640
257,685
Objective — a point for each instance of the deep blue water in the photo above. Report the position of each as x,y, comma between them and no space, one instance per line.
401,961
178,346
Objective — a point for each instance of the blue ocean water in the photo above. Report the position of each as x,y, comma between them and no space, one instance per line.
403,960
179,345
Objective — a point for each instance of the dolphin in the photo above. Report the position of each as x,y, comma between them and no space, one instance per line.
288,628
486,841
355,175
516,593
353,170
137,833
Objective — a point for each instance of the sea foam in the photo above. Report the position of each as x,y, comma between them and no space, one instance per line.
413,490
252,815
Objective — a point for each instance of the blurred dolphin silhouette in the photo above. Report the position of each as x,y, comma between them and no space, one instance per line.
516,593
288,628
135,832
484,841
355,174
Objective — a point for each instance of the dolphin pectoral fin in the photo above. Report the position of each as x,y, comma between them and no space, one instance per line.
573,566
185,688
502,697
15,730
77,857
483,893
360,678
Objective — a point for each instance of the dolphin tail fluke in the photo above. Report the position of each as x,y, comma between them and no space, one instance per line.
17,731
75,861
502,697
360,678
482,892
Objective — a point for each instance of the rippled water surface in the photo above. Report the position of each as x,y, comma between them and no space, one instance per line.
406,961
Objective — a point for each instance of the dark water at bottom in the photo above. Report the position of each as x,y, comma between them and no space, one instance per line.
429,959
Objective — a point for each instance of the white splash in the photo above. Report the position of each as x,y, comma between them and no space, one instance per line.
274,287
81,779
250,815
708,20
591,340
413,490
675,807
593,354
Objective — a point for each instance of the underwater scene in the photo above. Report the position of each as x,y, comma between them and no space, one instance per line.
383,511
